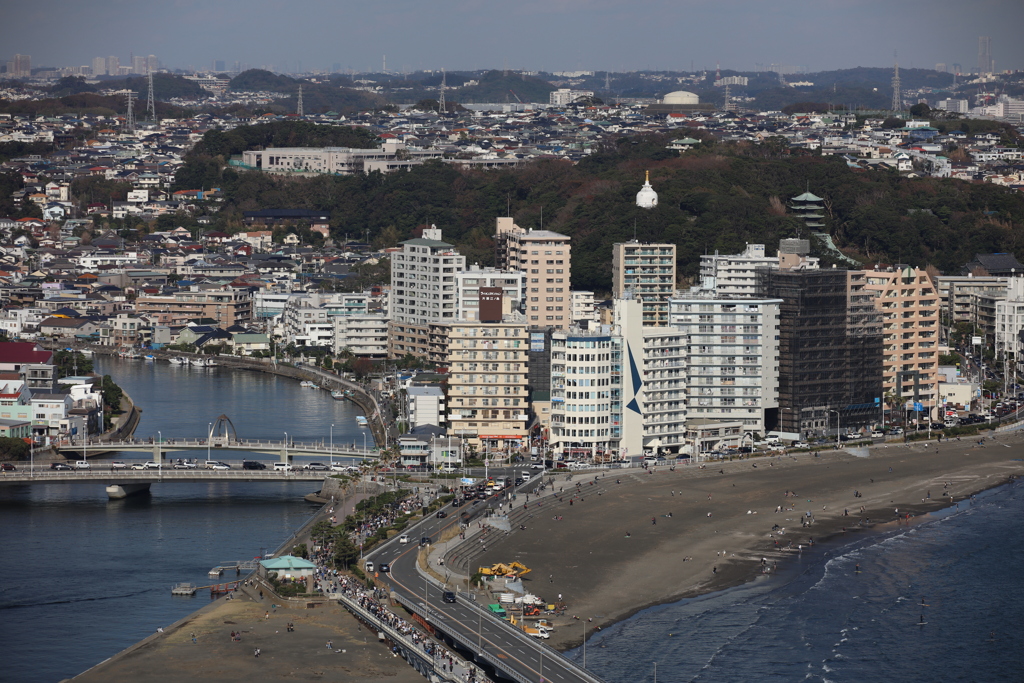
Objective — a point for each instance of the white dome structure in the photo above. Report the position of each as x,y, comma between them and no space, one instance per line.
680,97
647,198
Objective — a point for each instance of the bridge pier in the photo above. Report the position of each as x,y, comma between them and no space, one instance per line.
119,491
158,452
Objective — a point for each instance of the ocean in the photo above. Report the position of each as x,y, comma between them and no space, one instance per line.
939,600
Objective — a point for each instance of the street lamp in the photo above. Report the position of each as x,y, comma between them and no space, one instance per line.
332,445
286,446
209,437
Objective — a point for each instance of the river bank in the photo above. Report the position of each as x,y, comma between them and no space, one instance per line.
660,536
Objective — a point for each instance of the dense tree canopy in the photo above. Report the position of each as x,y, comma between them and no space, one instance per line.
717,197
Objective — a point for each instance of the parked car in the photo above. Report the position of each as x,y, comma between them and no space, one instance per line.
253,465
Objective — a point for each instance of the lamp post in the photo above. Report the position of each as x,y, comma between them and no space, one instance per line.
286,446
209,436
332,445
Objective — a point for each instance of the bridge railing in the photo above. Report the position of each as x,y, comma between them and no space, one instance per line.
165,474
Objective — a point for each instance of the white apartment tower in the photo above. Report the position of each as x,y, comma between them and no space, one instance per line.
423,296
649,271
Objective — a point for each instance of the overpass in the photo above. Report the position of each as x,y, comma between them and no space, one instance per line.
122,483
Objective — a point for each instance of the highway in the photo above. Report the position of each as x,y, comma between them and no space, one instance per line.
513,653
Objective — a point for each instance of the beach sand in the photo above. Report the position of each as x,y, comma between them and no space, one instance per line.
301,654
583,552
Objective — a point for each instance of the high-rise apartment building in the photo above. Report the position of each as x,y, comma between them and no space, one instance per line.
113,65
545,258
732,359
423,296
649,271
138,64
909,305
468,285
21,66
986,64
487,383
99,66
735,275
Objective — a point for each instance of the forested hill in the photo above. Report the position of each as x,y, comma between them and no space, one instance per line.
205,161
718,197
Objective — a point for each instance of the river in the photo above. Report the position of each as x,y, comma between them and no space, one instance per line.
85,577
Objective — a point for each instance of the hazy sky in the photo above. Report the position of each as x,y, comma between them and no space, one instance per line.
552,35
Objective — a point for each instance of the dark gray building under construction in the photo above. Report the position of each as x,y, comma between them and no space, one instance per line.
830,350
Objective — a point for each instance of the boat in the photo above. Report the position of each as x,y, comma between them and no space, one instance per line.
306,384
361,420
149,356
86,352
338,395
183,589
201,362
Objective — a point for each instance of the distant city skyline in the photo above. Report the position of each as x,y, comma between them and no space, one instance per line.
553,35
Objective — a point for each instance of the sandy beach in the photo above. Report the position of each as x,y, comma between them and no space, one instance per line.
302,654
658,537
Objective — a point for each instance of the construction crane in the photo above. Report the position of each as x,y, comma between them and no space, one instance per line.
515,96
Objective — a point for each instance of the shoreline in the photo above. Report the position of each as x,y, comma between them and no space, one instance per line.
617,583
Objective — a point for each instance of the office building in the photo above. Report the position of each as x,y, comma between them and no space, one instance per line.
735,275
470,282
649,271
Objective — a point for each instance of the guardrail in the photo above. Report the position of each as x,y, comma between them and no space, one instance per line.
167,474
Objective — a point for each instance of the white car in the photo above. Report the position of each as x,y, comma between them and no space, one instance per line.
337,468
82,465
118,465
283,466
403,539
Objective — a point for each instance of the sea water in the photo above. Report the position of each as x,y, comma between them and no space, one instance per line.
942,599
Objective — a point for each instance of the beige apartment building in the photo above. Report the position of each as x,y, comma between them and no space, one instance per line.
227,305
649,271
909,305
545,258
487,387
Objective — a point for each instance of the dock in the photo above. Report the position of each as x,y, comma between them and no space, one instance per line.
239,567
188,589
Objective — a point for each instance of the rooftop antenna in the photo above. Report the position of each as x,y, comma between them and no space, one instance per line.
298,108
129,119
151,100
441,107
718,71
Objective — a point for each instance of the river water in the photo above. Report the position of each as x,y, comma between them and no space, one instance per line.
84,577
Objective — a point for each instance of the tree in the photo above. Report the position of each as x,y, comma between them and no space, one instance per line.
362,367
13,449
920,110
111,394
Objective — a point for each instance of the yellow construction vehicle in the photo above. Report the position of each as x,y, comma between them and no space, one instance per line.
502,569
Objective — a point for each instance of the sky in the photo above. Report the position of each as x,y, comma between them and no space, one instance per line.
548,35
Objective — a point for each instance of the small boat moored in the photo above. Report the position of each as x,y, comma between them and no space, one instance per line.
183,589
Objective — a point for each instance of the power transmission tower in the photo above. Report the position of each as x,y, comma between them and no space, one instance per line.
441,108
298,109
129,119
727,98
151,101
897,100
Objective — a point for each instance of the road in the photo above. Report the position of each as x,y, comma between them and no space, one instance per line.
511,651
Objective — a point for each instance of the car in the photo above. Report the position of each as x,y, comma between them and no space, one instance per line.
61,466
537,466
519,482
441,514
369,567
337,468
447,469
183,465
138,466
384,568
220,466
425,541
801,444
7,467
152,465
403,539
448,596
877,434
253,465
283,467
118,465
315,467
82,465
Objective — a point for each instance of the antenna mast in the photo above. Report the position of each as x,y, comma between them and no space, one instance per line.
151,101
298,109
